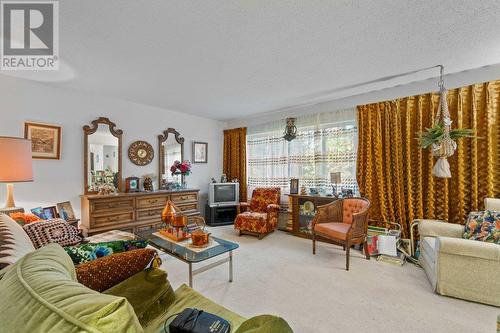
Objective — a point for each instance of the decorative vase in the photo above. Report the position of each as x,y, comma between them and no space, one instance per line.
169,213
183,183
177,180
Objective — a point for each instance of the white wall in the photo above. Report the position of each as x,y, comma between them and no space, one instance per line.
62,180
394,90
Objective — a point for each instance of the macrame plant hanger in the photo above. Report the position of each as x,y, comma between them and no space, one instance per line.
446,146
442,148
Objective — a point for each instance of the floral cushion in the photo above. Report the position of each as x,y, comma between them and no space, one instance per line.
256,222
262,197
91,251
483,226
263,215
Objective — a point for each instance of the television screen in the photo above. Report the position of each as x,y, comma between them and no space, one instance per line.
224,193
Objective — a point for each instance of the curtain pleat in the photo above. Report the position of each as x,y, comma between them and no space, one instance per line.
396,175
234,160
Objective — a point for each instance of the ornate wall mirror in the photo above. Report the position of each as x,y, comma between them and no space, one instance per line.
170,148
102,156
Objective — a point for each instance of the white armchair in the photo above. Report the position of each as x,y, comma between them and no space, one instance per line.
460,267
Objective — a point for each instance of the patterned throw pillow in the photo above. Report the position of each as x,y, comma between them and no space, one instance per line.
104,273
14,243
52,231
91,251
483,226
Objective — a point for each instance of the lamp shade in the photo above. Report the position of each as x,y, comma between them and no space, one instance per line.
16,165
335,178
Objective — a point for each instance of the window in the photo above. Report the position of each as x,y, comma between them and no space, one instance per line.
325,143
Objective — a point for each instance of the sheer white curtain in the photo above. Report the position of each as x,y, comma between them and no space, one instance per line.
325,142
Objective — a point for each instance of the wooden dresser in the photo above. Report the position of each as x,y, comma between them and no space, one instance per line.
133,211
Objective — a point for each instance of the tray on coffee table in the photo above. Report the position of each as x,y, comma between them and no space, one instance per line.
191,257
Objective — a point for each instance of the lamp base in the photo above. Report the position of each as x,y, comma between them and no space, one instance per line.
334,191
10,196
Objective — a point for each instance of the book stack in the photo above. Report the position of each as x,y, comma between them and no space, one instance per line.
394,260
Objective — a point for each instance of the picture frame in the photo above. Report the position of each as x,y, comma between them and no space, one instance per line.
132,184
200,152
38,211
45,140
294,186
66,211
50,212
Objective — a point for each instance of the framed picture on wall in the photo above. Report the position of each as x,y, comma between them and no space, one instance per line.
45,140
200,152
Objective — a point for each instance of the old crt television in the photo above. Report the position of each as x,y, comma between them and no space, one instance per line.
223,194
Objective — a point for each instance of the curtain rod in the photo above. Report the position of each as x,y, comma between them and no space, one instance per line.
312,102
384,79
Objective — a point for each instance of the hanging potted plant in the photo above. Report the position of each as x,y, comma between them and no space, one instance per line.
440,137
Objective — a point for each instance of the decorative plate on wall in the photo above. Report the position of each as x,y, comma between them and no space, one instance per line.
141,153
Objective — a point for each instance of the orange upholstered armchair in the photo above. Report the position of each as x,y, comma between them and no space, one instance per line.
260,216
343,222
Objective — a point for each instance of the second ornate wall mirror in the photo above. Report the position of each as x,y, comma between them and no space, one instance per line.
170,148
102,156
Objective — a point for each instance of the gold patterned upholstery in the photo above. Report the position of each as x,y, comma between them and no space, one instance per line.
234,157
260,217
396,174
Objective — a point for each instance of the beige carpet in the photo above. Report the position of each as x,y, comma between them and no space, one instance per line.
279,275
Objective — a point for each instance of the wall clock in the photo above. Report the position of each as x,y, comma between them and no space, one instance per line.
141,153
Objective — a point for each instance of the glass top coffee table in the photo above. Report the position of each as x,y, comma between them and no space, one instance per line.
191,257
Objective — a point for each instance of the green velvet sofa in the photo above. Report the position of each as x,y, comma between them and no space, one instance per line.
40,293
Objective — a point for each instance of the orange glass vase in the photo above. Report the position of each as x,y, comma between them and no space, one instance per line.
169,213
175,222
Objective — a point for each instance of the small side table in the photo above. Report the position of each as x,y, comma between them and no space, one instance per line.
8,211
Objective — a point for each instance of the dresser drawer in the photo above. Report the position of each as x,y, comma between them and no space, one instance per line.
148,214
148,202
99,206
179,198
117,218
149,227
188,207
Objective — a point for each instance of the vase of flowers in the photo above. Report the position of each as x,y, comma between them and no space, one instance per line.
181,170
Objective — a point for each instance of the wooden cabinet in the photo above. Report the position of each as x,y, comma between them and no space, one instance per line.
302,209
133,212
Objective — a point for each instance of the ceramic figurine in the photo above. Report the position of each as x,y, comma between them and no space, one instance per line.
148,184
303,190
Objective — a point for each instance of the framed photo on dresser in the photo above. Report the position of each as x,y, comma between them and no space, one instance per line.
66,211
294,186
50,212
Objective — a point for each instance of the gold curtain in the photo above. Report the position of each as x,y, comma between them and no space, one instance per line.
235,157
396,175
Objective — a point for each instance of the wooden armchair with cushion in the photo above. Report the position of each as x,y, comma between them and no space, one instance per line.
260,216
343,222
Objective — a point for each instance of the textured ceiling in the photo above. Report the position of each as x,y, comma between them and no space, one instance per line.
230,59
